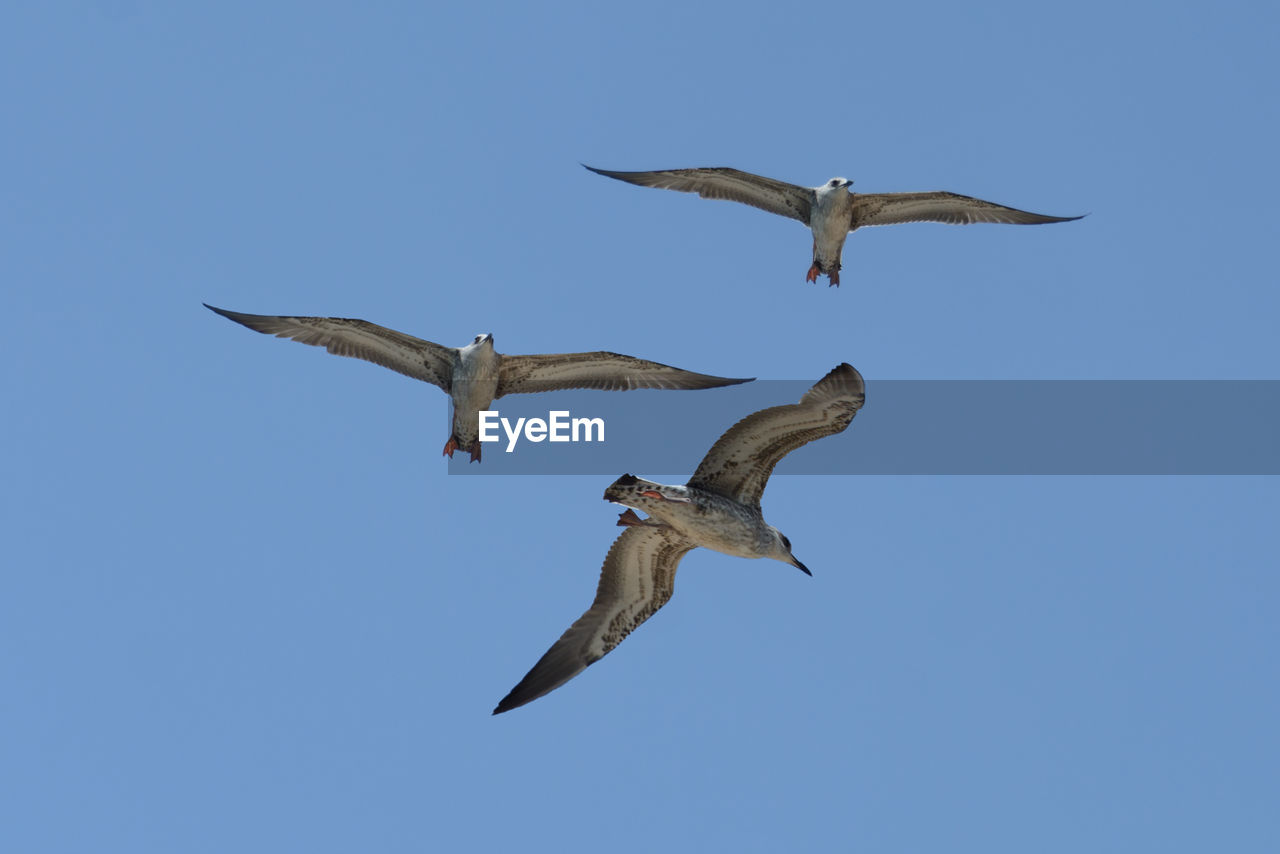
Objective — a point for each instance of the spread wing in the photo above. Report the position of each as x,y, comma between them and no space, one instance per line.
413,357
740,462
637,579
604,371
951,208
722,182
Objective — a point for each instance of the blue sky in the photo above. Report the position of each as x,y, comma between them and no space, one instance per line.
245,607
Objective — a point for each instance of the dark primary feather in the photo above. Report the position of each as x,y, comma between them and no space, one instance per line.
637,578
599,370
739,464
950,208
722,182
359,339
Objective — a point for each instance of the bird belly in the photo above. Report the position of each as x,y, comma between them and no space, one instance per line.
730,530
706,519
473,388
829,233
469,396
730,538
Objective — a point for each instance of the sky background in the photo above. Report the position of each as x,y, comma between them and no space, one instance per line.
245,607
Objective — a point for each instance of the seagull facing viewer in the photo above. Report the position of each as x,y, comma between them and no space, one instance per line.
831,210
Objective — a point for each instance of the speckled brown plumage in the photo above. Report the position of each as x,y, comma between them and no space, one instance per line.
739,464
637,578
718,509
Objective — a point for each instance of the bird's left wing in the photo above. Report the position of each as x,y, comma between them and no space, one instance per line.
600,370
638,577
951,208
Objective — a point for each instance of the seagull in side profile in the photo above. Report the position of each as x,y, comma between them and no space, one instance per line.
475,375
719,508
831,211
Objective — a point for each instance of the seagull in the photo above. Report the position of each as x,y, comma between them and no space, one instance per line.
831,211
719,508
475,375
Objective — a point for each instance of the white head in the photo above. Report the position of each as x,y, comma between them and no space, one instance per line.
781,550
483,340
835,184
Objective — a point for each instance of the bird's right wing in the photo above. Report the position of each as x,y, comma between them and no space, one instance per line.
721,182
637,579
740,462
413,357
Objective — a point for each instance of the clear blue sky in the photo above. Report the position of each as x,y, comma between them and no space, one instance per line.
245,607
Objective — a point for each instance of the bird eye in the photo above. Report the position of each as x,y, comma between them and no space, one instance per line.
833,182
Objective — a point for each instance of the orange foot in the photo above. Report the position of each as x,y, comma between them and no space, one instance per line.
475,451
833,279
450,446
813,273
629,519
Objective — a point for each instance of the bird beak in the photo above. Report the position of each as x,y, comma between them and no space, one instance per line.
798,565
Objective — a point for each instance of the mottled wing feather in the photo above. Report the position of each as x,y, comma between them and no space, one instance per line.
733,185
951,208
740,462
638,577
359,339
600,370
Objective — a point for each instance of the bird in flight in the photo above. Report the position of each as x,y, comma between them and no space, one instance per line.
475,375
831,210
719,508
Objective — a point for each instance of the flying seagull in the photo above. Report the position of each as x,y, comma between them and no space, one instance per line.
831,211
475,375
719,508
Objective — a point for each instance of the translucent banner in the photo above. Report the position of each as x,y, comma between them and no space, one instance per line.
965,427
